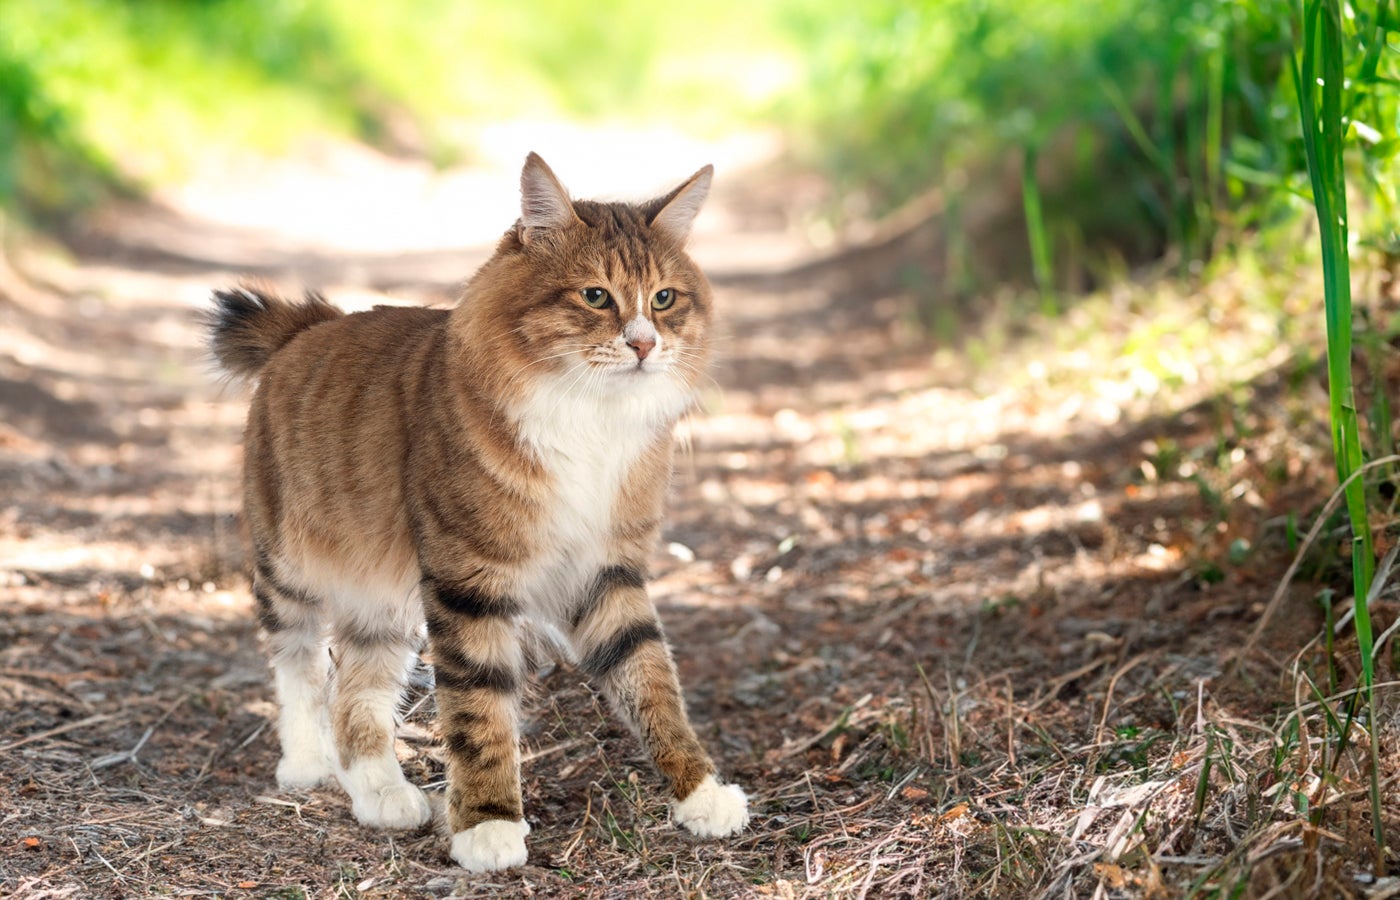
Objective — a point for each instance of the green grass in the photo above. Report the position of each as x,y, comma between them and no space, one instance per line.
1325,100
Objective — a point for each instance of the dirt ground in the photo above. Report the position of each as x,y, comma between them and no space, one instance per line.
947,637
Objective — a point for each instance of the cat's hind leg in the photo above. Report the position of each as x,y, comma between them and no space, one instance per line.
375,649
293,620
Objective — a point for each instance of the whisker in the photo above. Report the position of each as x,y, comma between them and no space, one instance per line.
520,373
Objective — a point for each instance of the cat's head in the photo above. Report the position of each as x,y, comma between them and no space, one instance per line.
595,298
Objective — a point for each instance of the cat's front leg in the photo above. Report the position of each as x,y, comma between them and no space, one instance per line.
479,666
618,638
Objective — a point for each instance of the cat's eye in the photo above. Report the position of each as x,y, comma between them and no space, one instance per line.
596,297
664,299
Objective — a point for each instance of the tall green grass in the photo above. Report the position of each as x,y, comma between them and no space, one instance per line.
1326,102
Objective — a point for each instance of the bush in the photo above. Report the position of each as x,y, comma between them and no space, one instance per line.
46,167
1148,125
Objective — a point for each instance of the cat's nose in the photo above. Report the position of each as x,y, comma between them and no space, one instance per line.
643,346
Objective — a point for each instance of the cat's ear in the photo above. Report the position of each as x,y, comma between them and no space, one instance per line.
544,203
675,213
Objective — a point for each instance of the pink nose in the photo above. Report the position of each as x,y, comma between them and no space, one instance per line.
643,346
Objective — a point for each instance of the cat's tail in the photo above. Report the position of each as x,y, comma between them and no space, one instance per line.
247,325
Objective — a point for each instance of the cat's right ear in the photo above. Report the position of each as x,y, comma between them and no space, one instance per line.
544,203
675,213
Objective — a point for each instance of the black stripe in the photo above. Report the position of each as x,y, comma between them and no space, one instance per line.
467,675
267,614
470,602
613,578
615,650
457,730
495,811
462,746
438,621
263,572
458,737
364,638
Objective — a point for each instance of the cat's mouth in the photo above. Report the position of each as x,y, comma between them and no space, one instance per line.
636,368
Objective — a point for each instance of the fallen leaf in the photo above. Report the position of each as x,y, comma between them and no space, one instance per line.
1113,876
956,812
914,793
246,885
837,746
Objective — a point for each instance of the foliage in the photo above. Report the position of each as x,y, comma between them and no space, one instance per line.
1162,126
157,85
44,164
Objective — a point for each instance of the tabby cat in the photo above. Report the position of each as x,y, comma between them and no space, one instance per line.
479,473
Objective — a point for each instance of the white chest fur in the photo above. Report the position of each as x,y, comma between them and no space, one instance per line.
589,441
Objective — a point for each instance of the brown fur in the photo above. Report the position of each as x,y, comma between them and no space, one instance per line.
386,449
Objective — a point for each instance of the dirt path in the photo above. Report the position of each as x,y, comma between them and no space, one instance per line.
910,618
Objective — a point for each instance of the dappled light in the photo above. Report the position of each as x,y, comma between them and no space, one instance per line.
976,560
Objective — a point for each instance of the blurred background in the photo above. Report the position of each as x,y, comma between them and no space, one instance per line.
1020,415
1087,139
1059,148
1116,192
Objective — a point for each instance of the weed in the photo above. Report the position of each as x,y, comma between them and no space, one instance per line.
346,880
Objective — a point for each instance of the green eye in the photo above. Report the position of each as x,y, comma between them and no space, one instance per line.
596,297
664,299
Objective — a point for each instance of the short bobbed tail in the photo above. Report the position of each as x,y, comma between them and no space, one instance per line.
248,325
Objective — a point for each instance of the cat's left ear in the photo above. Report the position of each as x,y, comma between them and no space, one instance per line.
675,213
544,203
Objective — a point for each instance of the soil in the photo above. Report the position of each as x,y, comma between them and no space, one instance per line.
940,632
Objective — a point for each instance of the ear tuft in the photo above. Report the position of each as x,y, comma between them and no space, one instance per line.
544,203
676,212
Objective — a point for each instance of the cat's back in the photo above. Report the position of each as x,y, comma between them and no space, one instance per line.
358,348
359,372
329,428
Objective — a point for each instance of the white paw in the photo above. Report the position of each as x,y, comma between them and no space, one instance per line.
304,770
713,809
394,806
381,797
491,845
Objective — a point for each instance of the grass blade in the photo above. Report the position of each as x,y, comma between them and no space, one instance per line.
1320,81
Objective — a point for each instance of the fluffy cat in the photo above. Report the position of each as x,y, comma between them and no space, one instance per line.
473,472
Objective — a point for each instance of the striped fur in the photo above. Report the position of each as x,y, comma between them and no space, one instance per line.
451,476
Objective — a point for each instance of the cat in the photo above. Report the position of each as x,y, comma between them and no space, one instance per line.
473,474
